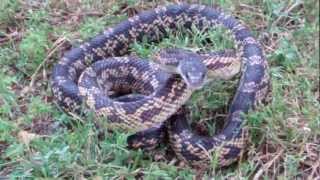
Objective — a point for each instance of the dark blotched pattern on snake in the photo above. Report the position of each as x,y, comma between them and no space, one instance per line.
161,103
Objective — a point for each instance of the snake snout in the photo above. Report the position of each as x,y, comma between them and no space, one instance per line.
195,80
193,72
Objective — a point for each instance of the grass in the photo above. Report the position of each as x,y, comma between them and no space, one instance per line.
37,140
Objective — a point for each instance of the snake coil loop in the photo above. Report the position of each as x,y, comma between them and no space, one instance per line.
146,113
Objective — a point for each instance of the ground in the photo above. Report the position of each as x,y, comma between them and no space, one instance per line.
38,140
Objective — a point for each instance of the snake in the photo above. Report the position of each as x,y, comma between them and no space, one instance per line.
80,76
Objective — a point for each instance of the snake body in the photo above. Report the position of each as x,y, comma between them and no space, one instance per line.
126,75
161,102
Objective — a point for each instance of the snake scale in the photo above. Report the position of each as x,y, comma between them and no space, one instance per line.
95,62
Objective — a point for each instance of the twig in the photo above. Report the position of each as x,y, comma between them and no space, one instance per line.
314,171
297,3
12,36
90,13
267,166
58,43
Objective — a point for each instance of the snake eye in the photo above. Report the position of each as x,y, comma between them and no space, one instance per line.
188,75
202,75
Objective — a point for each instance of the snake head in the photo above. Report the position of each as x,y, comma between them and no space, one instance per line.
185,63
193,72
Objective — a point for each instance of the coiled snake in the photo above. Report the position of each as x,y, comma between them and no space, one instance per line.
162,94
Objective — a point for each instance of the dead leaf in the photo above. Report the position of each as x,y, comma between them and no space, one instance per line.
25,137
97,178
